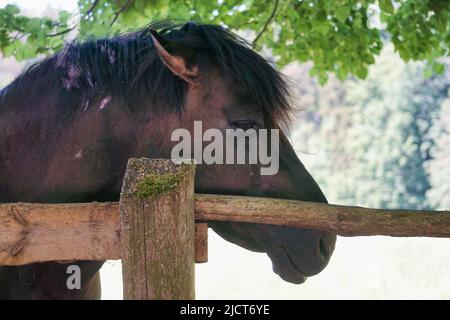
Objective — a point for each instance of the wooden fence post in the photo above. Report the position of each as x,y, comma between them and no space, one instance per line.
201,242
157,230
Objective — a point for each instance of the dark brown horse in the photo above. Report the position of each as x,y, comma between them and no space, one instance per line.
69,124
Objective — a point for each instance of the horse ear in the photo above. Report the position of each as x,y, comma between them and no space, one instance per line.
176,63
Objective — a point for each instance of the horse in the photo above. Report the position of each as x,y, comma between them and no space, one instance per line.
69,124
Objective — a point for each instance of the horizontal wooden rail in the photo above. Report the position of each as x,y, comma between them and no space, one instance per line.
91,231
48,232
347,221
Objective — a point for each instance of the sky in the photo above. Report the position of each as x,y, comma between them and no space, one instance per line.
36,7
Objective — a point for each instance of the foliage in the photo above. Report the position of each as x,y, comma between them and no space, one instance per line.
374,141
338,36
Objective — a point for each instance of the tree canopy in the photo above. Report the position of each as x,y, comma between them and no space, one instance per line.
338,36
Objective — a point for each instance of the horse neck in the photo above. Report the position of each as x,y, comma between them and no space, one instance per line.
26,105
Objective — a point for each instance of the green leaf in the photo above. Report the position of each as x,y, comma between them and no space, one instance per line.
342,12
322,27
33,25
438,68
64,16
362,72
386,6
182,12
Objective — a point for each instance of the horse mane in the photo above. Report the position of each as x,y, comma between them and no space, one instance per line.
128,68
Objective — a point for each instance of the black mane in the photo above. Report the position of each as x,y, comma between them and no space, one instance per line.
128,68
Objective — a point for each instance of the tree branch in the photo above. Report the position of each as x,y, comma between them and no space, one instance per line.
91,9
124,7
275,7
60,33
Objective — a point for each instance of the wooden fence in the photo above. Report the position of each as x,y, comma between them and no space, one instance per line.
159,227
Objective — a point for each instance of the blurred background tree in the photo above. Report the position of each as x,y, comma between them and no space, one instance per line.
382,142
338,36
439,165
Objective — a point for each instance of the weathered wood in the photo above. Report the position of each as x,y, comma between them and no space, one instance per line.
37,232
90,231
342,220
201,242
157,230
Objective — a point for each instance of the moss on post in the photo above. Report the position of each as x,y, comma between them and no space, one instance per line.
154,184
157,230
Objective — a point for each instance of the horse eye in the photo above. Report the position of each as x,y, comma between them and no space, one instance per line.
244,124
